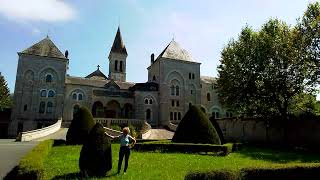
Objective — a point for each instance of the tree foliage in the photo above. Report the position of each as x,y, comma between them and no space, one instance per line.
263,71
5,100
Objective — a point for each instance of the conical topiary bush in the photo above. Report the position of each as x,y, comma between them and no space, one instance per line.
195,127
80,126
95,157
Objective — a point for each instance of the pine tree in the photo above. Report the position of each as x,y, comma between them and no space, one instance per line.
5,100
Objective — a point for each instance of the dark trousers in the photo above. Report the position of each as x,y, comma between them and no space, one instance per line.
124,151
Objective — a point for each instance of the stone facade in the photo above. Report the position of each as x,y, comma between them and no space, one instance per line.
44,92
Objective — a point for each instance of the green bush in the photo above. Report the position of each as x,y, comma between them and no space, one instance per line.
31,165
80,126
312,171
165,146
96,156
195,127
217,175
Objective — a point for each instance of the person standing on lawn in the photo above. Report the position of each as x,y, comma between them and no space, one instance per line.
126,143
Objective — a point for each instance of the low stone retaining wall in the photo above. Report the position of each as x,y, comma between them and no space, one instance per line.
113,132
39,133
108,121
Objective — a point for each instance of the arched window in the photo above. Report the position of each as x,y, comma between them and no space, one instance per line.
116,65
177,103
172,90
51,93
216,114
74,96
48,78
192,76
179,115
80,96
150,101
75,109
49,107
154,78
171,115
208,97
120,66
43,93
148,114
177,91
172,103
42,107
175,115
146,101
25,107
189,75
190,104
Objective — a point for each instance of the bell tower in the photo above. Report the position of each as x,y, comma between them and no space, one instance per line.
117,59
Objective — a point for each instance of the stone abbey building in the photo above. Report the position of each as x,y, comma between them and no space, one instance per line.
44,92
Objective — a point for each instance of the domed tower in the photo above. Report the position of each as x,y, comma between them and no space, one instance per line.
117,59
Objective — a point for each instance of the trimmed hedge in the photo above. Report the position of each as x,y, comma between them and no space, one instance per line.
80,127
31,165
262,173
184,147
195,127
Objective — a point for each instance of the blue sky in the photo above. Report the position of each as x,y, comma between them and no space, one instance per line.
87,29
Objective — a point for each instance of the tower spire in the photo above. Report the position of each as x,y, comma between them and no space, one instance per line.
118,44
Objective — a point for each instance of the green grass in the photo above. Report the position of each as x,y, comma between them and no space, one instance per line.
62,162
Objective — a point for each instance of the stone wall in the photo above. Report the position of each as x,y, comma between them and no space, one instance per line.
295,132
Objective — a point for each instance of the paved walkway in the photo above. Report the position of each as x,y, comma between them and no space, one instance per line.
160,134
11,152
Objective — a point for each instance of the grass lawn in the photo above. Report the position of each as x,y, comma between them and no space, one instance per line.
62,162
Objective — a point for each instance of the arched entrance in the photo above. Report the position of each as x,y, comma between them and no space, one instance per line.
97,109
128,110
113,109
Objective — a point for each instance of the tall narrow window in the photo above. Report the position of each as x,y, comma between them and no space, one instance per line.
171,116
42,107
154,78
189,75
150,101
179,116
116,65
51,93
121,66
192,76
148,114
43,93
172,103
178,103
48,78
49,107
177,91
25,107
175,115
172,90
146,101
74,96
80,96
208,97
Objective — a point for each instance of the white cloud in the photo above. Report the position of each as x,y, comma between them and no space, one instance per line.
36,10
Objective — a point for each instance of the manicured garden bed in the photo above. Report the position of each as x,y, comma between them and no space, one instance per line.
62,162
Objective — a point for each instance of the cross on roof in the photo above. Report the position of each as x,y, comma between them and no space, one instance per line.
98,66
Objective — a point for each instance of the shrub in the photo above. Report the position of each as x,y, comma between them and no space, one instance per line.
31,165
195,127
217,175
165,146
95,157
80,126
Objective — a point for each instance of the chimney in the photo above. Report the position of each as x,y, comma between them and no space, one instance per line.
66,54
152,58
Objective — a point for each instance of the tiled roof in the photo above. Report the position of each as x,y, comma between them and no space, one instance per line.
96,82
175,51
208,79
44,48
97,74
118,44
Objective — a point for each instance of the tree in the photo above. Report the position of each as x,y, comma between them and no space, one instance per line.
96,155
5,100
262,71
80,126
195,127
